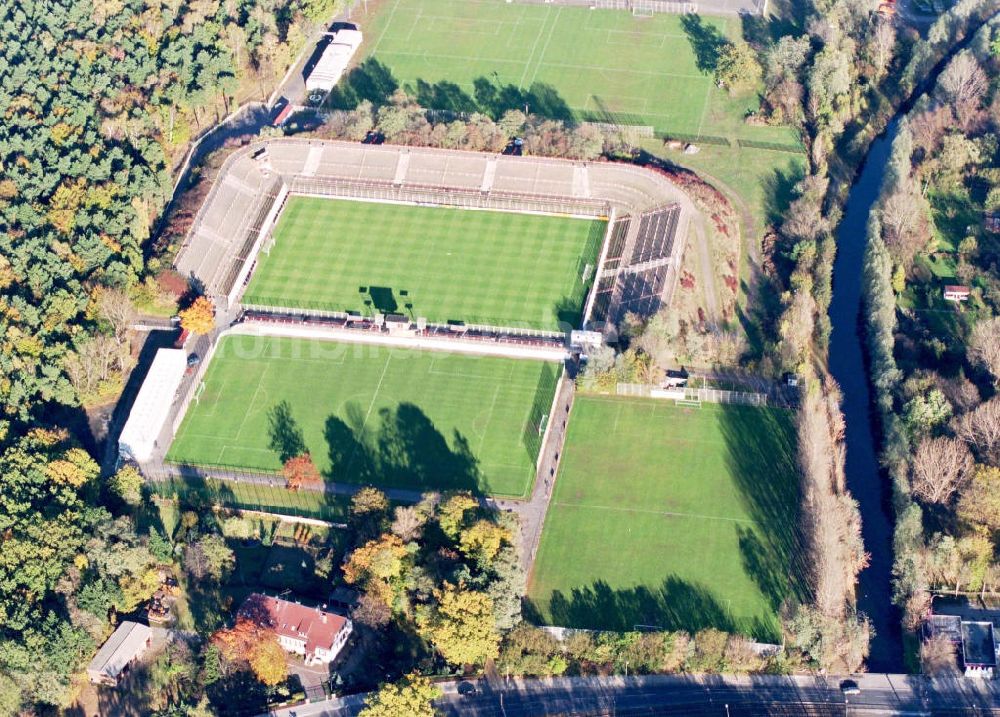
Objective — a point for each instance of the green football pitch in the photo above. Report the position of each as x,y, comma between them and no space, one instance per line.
423,420
482,267
603,65
678,518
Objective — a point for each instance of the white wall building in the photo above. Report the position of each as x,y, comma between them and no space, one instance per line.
318,635
152,405
334,61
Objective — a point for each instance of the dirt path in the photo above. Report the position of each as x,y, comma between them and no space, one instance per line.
747,240
700,234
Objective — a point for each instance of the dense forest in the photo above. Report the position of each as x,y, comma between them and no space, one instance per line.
99,100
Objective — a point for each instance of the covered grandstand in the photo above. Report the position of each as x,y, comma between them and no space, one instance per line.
640,259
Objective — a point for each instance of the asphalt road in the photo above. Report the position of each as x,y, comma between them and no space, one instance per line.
700,695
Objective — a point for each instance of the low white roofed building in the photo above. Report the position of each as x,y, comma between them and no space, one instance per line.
334,60
126,645
152,405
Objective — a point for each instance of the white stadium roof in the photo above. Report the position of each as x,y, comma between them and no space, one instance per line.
334,60
152,404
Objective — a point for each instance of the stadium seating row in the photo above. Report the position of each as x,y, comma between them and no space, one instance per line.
657,230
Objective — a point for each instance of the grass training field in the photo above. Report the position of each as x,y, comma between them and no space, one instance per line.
604,65
681,518
390,417
444,264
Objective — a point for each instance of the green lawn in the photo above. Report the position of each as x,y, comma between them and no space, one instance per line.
673,517
499,268
565,62
390,417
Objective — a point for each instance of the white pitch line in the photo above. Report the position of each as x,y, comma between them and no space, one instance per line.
385,29
534,46
658,512
378,388
541,58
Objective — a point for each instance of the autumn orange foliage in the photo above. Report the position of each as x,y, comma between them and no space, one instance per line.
301,472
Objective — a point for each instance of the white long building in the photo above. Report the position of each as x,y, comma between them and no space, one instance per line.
152,405
334,61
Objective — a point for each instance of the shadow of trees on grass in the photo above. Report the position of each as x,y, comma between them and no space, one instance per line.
706,41
760,445
373,81
403,449
675,604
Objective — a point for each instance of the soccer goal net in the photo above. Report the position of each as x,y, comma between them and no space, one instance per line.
198,391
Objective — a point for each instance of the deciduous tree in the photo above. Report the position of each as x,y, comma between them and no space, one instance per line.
984,346
460,625
209,558
482,540
301,472
738,69
979,502
199,318
980,428
963,84
127,485
940,467
413,696
267,660
381,558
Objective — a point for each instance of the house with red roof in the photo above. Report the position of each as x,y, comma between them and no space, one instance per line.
313,632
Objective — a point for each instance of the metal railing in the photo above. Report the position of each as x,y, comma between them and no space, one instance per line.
446,196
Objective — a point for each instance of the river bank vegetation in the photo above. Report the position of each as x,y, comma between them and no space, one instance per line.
934,364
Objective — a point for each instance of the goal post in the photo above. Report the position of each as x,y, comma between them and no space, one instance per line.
198,391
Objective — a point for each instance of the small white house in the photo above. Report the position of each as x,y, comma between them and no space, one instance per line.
318,635
126,645
956,293
334,60
152,405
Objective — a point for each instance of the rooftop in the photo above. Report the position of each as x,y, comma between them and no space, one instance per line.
120,649
318,628
978,647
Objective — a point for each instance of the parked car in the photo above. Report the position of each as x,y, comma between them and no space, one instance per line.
850,687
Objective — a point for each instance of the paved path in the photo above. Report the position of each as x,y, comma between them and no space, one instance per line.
699,695
532,511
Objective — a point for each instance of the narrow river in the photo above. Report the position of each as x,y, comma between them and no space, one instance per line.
847,364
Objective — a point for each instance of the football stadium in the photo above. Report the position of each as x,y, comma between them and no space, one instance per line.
405,314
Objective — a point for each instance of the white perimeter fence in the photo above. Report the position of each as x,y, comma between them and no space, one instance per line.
691,395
